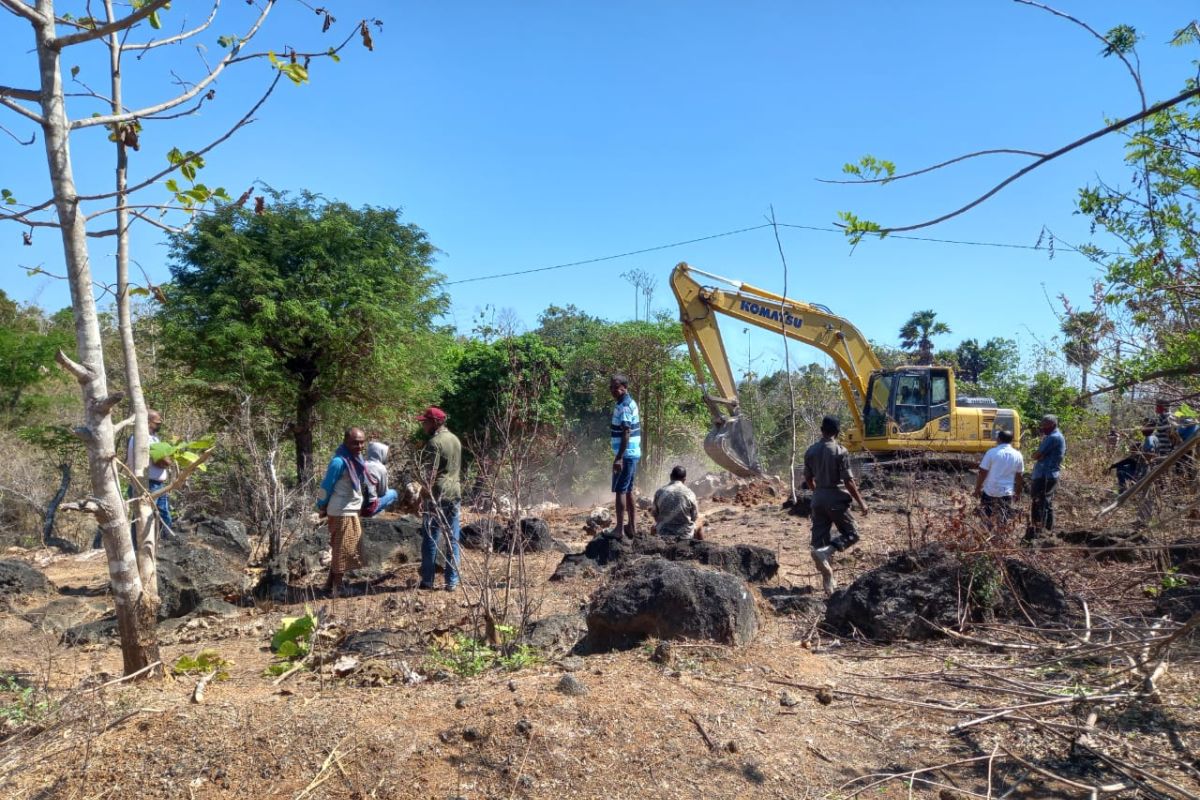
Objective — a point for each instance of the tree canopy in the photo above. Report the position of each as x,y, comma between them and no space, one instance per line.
307,303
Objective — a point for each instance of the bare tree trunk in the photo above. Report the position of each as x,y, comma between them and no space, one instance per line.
48,537
303,434
139,647
145,520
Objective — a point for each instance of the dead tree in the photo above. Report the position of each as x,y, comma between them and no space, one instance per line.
77,216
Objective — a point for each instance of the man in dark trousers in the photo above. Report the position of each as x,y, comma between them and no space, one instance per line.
827,474
1048,458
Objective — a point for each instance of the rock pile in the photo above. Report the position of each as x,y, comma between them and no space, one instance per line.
752,563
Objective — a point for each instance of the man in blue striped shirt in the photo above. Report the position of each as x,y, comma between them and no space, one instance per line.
626,433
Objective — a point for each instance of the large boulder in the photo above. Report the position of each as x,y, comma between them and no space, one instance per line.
205,559
653,597
913,593
17,577
1179,603
534,536
750,562
305,553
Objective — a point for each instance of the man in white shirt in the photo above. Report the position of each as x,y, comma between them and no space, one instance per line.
156,475
1000,481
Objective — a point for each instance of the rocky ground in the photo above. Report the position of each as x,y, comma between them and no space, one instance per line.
971,655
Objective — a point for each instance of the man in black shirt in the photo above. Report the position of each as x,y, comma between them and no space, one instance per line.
827,474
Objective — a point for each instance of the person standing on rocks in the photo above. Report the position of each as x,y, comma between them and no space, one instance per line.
1000,480
342,490
675,510
626,431
441,463
1049,458
828,476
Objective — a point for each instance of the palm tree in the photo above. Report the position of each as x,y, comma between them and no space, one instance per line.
1083,331
915,335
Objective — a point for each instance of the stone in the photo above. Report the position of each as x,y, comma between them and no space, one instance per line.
395,540
17,577
653,597
571,686
800,601
901,598
374,643
534,537
1125,546
63,613
478,535
663,654
556,633
572,664
1179,603
100,631
212,607
524,727
344,665
598,519
463,701
706,486
206,559
788,700
750,562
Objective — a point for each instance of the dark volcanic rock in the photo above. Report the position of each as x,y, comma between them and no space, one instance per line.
478,535
801,601
1108,545
1179,603
205,559
899,599
757,564
375,643
98,632
397,539
667,600
17,577
1185,556
559,632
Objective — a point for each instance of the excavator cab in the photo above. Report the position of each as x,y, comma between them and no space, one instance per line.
906,400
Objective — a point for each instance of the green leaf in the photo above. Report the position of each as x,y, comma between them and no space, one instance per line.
161,450
139,291
74,70
155,22
288,649
172,185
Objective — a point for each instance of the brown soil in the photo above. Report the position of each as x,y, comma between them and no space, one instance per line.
714,722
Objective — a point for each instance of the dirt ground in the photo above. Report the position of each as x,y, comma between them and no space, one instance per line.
799,713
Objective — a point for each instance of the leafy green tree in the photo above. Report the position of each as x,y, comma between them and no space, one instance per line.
307,303
987,363
489,377
916,335
28,343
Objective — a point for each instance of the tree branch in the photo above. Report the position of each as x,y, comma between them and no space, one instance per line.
1091,137
17,139
185,96
914,173
81,373
179,37
22,110
22,10
58,43
20,94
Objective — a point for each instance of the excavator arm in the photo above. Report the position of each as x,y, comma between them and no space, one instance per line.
731,441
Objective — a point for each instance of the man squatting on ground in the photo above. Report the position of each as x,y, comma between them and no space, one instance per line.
341,501
1000,480
441,462
1049,458
626,431
828,476
675,510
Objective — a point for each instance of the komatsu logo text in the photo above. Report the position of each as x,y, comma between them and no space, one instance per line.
773,314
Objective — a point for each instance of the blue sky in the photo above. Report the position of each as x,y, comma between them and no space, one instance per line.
524,135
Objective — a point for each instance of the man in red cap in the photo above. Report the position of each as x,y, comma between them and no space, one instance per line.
441,461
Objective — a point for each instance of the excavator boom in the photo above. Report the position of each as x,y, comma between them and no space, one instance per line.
731,441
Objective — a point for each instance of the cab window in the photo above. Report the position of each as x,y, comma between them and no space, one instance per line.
912,402
876,411
939,393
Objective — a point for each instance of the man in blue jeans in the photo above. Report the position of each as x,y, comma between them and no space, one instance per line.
441,463
156,478
1048,458
626,433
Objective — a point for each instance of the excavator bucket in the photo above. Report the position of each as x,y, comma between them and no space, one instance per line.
731,445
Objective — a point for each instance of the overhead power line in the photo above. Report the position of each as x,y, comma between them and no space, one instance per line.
821,229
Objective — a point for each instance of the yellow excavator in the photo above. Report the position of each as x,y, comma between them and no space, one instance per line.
901,412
